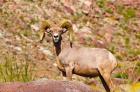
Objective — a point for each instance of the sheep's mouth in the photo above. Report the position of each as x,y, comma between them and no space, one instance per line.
56,40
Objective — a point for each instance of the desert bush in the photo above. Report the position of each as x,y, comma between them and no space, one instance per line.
11,70
138,67
121,75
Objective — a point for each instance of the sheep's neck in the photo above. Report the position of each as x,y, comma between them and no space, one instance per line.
57,48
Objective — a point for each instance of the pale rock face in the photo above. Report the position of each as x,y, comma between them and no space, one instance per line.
45,51
128,2
35,27
45,86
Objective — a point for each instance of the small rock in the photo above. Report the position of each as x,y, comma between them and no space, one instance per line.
111,21
2,34
45,51
54,64
17,48
40,81
35,27
86,30
75,28
69,9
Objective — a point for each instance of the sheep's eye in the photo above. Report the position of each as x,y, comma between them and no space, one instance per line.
49,34
60,31
48,31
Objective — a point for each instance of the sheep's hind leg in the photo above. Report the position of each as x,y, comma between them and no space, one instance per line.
105,78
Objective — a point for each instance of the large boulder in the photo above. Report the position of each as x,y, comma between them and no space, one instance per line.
45,86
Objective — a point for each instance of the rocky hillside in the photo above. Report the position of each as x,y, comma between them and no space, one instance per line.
110,24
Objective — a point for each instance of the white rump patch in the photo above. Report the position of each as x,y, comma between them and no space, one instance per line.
111,57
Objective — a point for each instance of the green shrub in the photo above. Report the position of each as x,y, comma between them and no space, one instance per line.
138,67
121,75
11,70
129,13
101,3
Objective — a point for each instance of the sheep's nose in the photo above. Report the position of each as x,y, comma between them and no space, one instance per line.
55,36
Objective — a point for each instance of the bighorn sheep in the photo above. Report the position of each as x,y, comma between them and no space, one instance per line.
84,61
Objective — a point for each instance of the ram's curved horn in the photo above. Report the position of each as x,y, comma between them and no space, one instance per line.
68,25
44,26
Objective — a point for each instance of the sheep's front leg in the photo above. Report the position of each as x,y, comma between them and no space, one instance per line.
69,72
63,73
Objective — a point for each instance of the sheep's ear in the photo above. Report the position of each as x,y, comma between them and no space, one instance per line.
67,26
64,30
45,25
